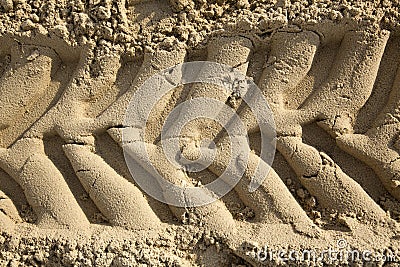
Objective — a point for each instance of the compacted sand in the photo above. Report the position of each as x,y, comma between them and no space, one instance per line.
329,71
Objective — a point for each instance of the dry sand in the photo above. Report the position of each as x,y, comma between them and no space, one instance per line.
329,70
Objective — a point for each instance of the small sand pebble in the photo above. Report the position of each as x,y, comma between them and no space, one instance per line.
33,55
300,193
311,202
27,25
7,5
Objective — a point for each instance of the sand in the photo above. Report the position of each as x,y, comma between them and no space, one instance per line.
68,70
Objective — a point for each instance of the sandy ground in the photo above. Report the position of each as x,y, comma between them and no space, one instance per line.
329,71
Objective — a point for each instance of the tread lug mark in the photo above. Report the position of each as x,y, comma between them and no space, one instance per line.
69,116
353,74
374,147
289,60
118,200
333,188
114,115
25,80
215,215
53,201
231,51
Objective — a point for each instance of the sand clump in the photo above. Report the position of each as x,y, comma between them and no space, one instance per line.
329,71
